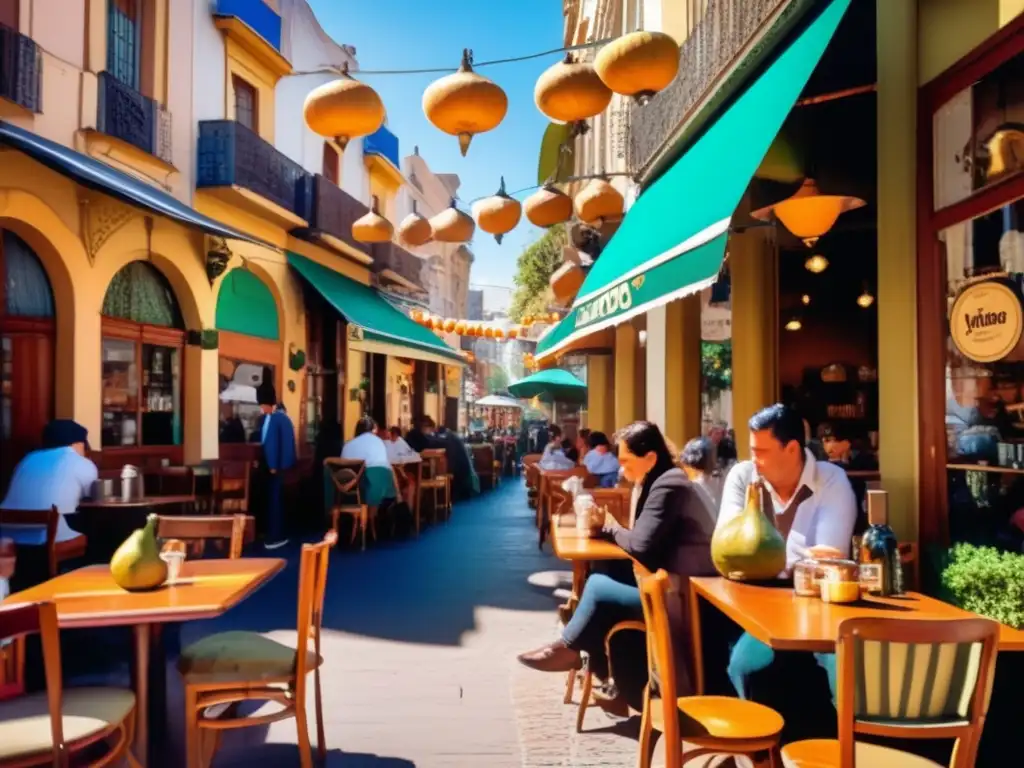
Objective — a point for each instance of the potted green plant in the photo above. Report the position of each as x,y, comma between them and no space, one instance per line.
986,581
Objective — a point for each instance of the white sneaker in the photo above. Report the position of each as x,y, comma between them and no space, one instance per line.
275,544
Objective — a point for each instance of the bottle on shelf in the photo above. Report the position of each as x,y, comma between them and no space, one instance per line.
881,572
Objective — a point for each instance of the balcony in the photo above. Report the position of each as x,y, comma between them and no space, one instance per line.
21,70
724,46
393,264
255,26
125,114
380,155
235,164
332,212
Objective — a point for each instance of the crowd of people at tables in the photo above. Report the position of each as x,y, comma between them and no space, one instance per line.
678,501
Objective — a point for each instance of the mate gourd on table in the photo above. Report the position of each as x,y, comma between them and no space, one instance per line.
749,547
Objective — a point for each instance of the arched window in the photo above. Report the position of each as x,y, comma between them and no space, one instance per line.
143,346
26,351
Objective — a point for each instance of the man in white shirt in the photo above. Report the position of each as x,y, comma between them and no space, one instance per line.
366,446
813,506
399,451
58,474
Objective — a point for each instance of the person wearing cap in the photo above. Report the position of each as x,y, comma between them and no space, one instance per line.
277,435
56,475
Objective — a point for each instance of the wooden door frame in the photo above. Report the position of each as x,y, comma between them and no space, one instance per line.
933,502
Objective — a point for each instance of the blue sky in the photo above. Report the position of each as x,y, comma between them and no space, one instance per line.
408,34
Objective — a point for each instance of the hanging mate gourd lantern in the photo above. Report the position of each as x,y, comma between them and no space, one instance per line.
464,103
343,109
416,315
415,229
548,206
460,327
598,202
571,91
452,225
449,325
638,64
498,214
513,333
372,228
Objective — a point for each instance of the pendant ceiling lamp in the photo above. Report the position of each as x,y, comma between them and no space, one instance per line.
571,91
464,103
452,225
548,206
498,214
415,229
598,202
343,109
372,228
808,214
816,264
638,64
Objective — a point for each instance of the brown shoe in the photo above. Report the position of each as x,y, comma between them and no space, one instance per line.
555,657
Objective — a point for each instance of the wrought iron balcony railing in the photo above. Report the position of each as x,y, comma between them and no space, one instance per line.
332,211
126,114
232,155
21,69
388,256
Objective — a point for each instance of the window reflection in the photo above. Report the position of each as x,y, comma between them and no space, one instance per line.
239,407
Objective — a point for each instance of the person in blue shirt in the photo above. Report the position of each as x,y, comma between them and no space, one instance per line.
601,462
277,435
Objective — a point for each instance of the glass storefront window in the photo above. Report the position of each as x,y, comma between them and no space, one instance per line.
239,408
140,410
984,260
716,360
6,386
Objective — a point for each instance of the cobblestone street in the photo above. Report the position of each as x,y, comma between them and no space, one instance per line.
420,643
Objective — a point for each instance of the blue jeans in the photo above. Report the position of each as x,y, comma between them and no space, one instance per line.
603,604
750,655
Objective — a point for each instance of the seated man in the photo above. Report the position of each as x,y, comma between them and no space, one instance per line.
563,457
601,462
58,474
813,507
400,455
366,446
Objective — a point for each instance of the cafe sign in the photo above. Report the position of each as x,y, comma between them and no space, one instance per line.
986,321
614,301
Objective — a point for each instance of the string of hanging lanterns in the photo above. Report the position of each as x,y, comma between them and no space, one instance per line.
478,329
465,103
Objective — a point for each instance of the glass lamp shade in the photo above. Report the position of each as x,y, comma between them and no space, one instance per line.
808,214
794,325
816,264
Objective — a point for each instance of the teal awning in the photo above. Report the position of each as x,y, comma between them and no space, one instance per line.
373,322
246,305
672,241
555,383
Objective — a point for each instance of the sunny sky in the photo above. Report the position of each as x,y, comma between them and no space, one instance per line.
409,34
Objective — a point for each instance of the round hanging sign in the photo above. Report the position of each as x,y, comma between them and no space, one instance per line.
986,321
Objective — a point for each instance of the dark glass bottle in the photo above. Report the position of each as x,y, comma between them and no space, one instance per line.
881,572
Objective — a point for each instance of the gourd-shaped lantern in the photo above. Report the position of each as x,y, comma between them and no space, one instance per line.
497,214
449,325
488,332
570,91
808,214
638,64
415,229
598,202
343,109
527,319
452,225
548,206
513,333
460,327
372,227
553,317
416,315
464,103
499,333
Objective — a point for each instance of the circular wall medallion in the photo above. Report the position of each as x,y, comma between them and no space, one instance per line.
986,321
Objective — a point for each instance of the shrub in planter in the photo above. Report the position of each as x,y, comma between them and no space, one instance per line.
986,581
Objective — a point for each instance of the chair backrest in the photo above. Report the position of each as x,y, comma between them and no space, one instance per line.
434,462
346,475
201,528
312,586
616,501
169,481
661,661
483,458
16,621
908,678
46,519
530,459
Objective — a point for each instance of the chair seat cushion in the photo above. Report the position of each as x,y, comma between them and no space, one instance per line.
239,657
720,718
824,753
87,712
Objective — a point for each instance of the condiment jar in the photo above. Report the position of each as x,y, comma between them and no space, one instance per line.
838,570
805,578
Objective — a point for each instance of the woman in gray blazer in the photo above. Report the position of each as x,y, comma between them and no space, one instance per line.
672,529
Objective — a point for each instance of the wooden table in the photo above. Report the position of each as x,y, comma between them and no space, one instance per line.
88,597
581,552
784,621
145,501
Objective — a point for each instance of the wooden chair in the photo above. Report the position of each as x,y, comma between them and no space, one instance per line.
233,667
237,530
906,679
616,501
484,464
532,475
434,477
552,500
78,719
48,519
346,475
712,724
231,486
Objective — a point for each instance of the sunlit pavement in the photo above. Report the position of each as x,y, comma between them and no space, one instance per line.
420,638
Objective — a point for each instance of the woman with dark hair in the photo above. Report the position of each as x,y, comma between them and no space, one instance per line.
670,529
601,462
698,462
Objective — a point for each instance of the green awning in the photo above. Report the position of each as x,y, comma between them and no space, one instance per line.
371,319
672,241
246,305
